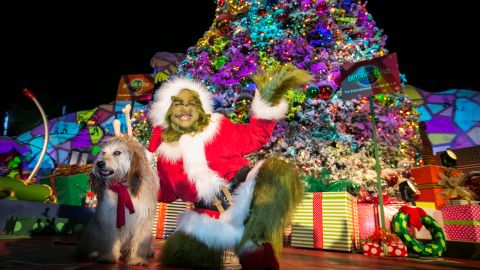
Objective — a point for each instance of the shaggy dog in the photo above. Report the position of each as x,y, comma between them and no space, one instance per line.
126,188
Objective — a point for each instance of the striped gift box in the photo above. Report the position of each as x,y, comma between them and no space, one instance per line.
165,222
326,220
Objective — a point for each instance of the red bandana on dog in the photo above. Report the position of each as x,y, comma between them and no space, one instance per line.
124,200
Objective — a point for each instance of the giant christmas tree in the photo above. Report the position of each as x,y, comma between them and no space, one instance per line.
328,137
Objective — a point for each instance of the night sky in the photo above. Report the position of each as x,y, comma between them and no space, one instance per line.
74,53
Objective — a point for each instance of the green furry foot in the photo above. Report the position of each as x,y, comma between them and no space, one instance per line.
183,250
278,190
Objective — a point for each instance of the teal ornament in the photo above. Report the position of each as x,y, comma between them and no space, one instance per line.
212,88
312,91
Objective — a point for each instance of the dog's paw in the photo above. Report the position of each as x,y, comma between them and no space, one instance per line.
92,255
107,258
137,261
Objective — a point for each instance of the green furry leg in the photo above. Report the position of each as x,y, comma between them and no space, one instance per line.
278,190
183,250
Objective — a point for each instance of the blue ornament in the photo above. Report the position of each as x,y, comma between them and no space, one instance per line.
212,88
354,147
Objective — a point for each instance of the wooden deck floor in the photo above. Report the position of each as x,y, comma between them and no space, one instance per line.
56,253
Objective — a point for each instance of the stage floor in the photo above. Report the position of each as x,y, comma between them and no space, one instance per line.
55,253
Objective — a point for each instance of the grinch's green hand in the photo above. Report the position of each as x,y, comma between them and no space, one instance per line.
273,84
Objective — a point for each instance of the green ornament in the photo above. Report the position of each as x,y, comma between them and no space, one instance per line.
312,91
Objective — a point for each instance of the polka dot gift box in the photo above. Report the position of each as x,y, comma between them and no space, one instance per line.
397,249
461,219
394,249
372,249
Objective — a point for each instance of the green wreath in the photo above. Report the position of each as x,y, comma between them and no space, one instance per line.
434,248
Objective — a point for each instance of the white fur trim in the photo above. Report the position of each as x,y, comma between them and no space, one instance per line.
238,212
215,233
227,231
170,151
263,110
191,148
171,88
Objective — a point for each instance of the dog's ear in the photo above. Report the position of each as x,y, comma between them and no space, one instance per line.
138,167
97,185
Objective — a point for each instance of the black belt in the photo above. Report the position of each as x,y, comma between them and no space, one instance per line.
224,194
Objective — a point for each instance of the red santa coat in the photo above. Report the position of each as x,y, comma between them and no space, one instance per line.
193,168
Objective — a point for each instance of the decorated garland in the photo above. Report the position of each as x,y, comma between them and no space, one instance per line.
417,217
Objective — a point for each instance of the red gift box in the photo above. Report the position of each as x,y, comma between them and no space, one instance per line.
397,249
461,221
367,219
394,249
369,215
427,180
372,249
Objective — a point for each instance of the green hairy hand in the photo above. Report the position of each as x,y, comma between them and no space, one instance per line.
273,84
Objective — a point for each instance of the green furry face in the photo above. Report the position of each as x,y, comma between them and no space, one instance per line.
185,115
185,109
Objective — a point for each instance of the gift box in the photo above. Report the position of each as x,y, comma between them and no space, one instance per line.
427,180
326,220
461,220
425,205
166,218
389,211
394,249
397,249
72,189
367,219
369,213
424,234
372,249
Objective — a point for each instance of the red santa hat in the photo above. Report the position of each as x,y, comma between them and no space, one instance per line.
171,88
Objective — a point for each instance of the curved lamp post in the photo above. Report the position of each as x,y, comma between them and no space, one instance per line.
31,96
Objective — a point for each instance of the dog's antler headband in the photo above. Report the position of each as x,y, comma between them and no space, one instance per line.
117,124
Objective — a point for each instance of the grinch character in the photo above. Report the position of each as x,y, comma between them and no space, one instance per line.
201,160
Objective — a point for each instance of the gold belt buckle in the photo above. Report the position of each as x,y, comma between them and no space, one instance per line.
218,203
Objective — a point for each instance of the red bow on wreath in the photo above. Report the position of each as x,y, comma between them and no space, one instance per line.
414,215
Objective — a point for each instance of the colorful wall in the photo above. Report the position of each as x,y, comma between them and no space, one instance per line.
452,117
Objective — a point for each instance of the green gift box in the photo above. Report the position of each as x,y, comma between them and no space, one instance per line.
326,220
72,189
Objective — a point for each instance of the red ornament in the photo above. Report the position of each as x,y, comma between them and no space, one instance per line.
391,179
262,12
224,18
325,92
321,6
364,196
